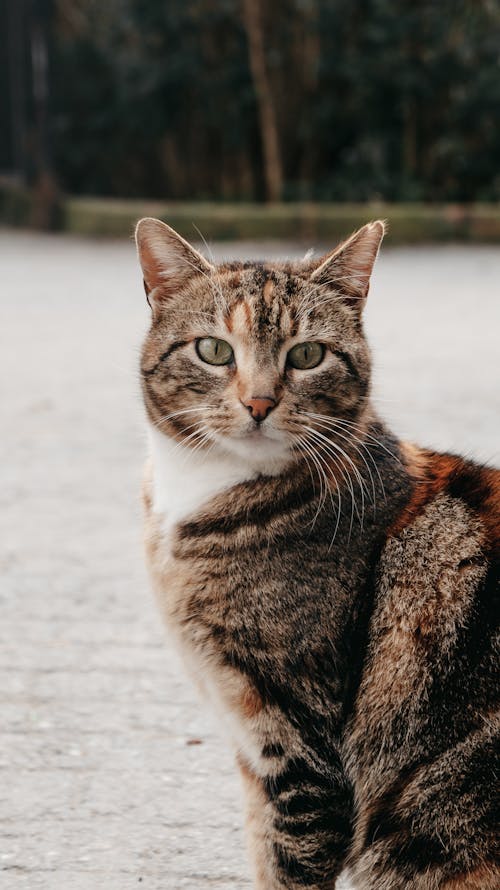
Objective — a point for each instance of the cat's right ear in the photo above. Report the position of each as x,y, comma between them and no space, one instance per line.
167,260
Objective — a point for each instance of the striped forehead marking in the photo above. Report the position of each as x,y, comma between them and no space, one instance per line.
239,319
267,291
258,311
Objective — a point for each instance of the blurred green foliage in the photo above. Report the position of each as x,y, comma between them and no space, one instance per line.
372,99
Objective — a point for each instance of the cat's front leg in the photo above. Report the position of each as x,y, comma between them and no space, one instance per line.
298,827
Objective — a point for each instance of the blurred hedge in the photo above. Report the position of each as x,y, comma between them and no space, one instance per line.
308,222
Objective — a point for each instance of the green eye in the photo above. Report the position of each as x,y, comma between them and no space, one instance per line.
306,355
214,351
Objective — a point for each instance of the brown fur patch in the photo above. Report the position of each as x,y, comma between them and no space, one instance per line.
234,279
239,319
267,292
478,487
482,878
430,473
250,703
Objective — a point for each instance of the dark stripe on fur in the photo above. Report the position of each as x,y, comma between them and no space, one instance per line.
346,359
149,372
258,514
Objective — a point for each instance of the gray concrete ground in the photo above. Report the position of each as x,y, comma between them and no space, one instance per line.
112,774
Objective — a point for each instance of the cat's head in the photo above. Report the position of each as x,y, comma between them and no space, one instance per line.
250,358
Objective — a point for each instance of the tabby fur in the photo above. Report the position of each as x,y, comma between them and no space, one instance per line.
333,590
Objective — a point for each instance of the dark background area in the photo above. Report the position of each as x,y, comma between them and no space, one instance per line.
329,100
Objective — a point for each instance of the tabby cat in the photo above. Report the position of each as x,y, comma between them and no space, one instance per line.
333,590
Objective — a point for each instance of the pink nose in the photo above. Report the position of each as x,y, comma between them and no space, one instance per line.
260,407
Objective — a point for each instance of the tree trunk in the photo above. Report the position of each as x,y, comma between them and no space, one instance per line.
409,137
15,13
273,170
45,193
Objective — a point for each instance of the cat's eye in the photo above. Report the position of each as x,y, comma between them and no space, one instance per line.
214,351
305,355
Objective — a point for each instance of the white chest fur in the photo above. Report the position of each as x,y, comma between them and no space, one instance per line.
184,480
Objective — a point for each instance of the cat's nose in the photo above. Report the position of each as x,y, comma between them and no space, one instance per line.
260,407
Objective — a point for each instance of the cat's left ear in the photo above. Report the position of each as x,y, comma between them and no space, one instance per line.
349,267
168,262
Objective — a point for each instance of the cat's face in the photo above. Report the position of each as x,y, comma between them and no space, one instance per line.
250,359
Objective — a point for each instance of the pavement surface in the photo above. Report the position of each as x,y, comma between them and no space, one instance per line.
112,773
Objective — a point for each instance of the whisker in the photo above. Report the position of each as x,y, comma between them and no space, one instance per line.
209,251
369,442
337,508
306,304
345,473
195,409
352,439
224,306
344,454
205,437
320,463
366,447
199,437
322,479
215,288
373,439
184,442
295,447
358,426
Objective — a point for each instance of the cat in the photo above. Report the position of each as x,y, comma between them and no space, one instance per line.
334,591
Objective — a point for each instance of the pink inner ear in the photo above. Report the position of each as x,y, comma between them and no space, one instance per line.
150,267
166,267
167,260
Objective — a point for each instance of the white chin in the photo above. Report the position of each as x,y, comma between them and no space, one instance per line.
258,449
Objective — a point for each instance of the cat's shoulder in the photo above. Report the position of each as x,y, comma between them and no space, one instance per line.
450,525
449,493
443,549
